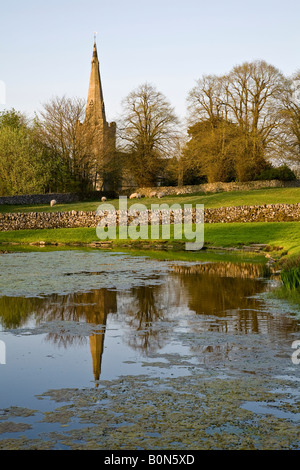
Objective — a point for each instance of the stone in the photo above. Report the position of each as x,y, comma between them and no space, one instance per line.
243,214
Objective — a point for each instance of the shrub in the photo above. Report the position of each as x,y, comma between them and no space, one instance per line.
282,173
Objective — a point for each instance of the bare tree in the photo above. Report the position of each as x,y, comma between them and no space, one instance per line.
148,129
60,130
291,121
254,95
250,97
206,100
212,136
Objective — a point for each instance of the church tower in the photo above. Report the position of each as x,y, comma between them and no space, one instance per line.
102,134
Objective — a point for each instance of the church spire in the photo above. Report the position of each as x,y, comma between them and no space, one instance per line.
101,134
95,104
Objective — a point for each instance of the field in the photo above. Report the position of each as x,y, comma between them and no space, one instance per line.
211,200
280,236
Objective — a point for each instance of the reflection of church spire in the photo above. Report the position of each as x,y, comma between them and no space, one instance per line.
106,302
96,345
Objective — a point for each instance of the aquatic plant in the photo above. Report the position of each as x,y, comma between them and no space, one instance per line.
290,274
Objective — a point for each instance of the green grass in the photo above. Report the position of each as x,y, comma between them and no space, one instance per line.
242,198
212,200
284,236
59,235
291,278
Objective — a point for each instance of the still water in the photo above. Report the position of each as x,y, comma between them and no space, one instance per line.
84,320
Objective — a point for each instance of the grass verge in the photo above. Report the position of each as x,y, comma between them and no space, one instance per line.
281,237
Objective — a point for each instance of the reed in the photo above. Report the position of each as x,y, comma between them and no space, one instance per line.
290,274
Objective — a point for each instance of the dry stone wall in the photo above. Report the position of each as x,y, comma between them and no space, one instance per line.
73,219
213,188
31,199
61,198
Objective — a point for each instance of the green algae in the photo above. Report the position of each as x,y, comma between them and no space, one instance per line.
37,274
172,413
61,415
235,404
23,443
14,411
217,404
10,426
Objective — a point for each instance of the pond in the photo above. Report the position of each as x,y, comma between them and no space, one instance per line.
106,350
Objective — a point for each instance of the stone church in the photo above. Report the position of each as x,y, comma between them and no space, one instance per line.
100,134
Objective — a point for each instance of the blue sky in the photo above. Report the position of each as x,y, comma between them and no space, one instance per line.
46,47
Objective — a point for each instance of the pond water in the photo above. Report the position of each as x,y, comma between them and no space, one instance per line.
97,343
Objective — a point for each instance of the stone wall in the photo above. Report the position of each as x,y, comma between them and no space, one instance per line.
213,188
61,198
28,199
263,213
72,219
40,220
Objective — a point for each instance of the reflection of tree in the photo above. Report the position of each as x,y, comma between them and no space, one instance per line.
63,339
91,307
227,292
143,311
223,269
220,294
213,295
222,289
15,311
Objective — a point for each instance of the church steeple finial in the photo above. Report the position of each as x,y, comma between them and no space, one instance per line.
95,54
95,103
